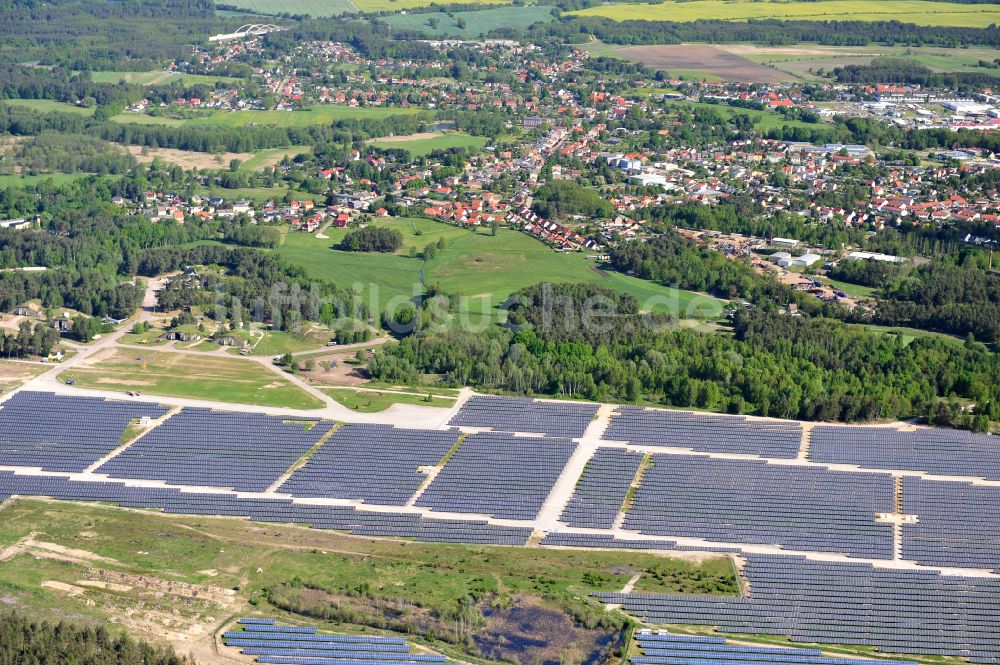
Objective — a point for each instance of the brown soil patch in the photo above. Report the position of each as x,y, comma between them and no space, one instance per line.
188,159
702,58
342,374
419,136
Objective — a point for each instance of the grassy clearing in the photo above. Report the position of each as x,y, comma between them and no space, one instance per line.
322,115
419,147
397,5
481,269
156,77
267,158
907,335
180,375
764,120
144,119
853,290
46,105
277,342
920,12
472,23
367,401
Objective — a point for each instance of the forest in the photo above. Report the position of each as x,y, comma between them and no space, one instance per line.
372,239
24,641
809,368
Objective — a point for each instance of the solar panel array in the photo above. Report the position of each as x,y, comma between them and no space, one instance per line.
66,434
666,649
917,612
703,433
601,491
751,501
939,451
243,451
607,541
373,463
959,524
339,518
270,642
500,475
521,414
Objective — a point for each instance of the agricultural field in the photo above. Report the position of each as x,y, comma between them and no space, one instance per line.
420,145
471,24
319,115
216,378
804,61
16,180
157,77
263,159
46,105
920,12
483,269
699,61
315,8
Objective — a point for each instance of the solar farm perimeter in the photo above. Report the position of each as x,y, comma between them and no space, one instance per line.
845,535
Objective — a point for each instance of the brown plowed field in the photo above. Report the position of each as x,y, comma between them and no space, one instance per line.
704,58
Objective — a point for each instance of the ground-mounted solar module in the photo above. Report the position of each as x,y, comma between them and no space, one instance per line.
377,464
501,475
895,610
945,452
243,451
751,501
601,491
522,414
705,433
59,433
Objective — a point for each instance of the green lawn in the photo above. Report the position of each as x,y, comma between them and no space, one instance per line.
46,105
144,119
26,180
853,290
907,335
471,24
422,147
365,401
483,270
181,375
277,342
920,12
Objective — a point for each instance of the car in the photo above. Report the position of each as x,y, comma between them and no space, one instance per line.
70,382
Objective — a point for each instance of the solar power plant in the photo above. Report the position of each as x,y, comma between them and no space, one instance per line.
522,414
607,541
710,434
373,463
667,649
60,433
270,642
500,475
243,451
939,451
339,518
915,612
599,494
959,524
751,501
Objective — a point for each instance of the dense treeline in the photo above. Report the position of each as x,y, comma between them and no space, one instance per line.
372,239
27,642
92,293
38,339
901,70
937,296
865,273
774,365
572,29
214,138
93,34
71,153
255,286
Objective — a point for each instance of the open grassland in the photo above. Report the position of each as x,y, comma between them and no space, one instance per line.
314,8
191,159
419,145
263,159
372,401
764,120
217,378
318,115
481,269
157,77
278,342
471,24
920,12
13,374
46,105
